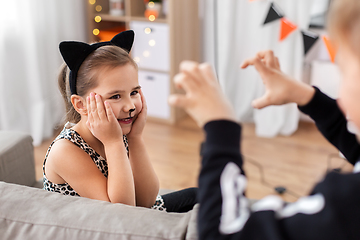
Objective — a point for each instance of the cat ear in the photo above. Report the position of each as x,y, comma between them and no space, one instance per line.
124,40
72,52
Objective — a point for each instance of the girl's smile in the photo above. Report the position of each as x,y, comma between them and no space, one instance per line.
125,120
128,120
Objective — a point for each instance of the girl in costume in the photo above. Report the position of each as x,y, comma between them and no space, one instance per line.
100,154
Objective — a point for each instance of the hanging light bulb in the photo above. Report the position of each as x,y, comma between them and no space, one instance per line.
137,59
152,42
97,19
96,31
152,18
98,8
147,30
146,53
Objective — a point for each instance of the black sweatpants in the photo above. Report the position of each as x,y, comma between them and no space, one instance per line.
180,201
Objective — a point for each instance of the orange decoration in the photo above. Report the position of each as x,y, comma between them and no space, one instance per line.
287,27
149,12
330,47
107,35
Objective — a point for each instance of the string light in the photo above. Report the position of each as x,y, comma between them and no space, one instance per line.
147,30
92,2
152,18
97,19
98,8
96,31
146,53
152,42
151,4
137,59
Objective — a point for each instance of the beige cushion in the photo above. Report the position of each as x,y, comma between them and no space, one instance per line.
30,213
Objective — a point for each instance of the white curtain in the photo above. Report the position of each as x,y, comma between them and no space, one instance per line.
29,62
233,32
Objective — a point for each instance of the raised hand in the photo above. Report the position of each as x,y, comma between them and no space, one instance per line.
203,99
139,123
101,120
279,88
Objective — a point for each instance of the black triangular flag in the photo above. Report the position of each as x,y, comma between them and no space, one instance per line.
309,40
273,14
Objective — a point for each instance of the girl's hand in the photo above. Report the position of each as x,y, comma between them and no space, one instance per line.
139,123
203,99
279,88
101,120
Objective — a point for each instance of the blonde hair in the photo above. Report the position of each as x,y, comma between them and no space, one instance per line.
344,23
87,77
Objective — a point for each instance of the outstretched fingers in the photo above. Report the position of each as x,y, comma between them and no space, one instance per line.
208,73
178,100
191,69
185,81
261,102
257,63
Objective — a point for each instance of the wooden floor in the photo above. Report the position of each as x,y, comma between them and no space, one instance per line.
295,162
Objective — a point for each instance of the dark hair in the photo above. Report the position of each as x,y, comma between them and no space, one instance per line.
87,77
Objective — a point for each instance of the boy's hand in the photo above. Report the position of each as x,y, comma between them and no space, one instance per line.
203,99
139,123
279,88
101,120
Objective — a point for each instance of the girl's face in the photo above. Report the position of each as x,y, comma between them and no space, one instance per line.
120,87
349,95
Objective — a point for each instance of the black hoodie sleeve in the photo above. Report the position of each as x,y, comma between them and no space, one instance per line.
332,123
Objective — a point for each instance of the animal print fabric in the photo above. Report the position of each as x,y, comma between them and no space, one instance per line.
71,135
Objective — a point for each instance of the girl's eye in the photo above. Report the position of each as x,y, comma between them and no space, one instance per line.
117,96
134,93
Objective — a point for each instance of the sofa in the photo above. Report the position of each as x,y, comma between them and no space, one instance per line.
28,212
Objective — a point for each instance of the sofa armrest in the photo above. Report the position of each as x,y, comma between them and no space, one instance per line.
17,158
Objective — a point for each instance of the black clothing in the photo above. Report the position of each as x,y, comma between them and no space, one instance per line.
180,201
332,211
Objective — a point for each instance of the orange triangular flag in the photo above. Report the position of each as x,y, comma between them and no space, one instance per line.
286,28
330,47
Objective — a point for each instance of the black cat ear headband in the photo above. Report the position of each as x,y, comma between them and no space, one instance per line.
74,53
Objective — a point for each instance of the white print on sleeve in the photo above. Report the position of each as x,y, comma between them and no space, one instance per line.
305,205
235,210
356,167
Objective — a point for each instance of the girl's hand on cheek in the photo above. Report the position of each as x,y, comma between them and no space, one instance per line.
101,120
139,123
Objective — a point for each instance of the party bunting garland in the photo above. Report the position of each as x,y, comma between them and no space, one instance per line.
331,48
309,40
273,14
287,27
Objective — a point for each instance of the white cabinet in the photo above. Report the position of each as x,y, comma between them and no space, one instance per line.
156,89
151,46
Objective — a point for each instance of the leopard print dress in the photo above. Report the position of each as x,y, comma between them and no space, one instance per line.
74,137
